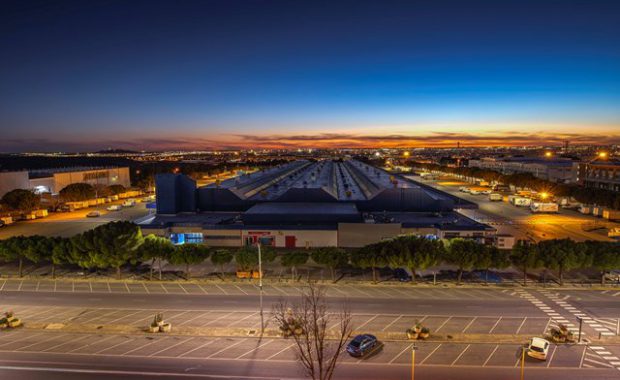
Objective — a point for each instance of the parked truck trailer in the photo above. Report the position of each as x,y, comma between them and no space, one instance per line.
543,207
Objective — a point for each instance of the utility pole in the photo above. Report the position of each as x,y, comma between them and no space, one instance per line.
413,350
522,362
580,323
260,287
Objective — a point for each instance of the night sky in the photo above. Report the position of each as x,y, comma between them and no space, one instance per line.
152,75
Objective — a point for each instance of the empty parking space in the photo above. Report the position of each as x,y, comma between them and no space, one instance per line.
446,354
475,355
205,348
388,323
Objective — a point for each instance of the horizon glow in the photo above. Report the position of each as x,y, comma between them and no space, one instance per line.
217,75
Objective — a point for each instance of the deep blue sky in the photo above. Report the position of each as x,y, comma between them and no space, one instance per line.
153,75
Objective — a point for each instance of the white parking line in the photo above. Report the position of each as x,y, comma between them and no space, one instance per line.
490,355
495,325
199,347
391,323
63,343
225,348
281,351
169,347
242,319
114,346
365,323
89,344
182,287
430,354
19,340
461,354
2,287
50,338
444,322
552,354
217,319
144,345
469,324
400,353
222,290
254,349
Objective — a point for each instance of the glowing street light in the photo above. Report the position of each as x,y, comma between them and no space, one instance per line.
406,154
602,154
544,195
548,154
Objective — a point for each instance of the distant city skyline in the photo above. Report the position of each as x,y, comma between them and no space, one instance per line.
150,75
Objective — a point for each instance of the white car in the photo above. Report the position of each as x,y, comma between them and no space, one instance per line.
538,348
129,203
93,214
114,208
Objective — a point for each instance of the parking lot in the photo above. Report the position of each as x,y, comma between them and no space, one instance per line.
388,323
239,288
282,350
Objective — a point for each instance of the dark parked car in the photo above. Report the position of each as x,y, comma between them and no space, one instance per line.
401,275
362,345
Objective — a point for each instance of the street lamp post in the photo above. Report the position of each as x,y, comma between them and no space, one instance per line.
413,350
580,324
260,287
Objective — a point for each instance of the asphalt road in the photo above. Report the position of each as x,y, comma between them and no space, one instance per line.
520,222
35,354
512,306
71,223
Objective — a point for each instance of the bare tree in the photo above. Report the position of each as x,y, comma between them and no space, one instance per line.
308,324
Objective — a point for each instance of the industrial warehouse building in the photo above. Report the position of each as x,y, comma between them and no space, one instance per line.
54,180
306,204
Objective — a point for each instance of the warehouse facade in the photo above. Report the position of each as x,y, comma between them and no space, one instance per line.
306,204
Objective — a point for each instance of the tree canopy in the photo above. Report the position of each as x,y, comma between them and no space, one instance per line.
76,192
21,200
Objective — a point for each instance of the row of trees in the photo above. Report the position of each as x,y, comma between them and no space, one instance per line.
116,244
26,200
601,197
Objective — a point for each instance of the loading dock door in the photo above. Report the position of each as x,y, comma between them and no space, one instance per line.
289,241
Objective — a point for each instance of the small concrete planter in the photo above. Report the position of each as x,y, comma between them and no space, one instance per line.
153,328
166,327
411,334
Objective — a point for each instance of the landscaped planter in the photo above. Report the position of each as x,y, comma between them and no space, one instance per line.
153,328
166,327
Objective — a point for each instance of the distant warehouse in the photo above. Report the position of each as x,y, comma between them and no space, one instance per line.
307,204
54,180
